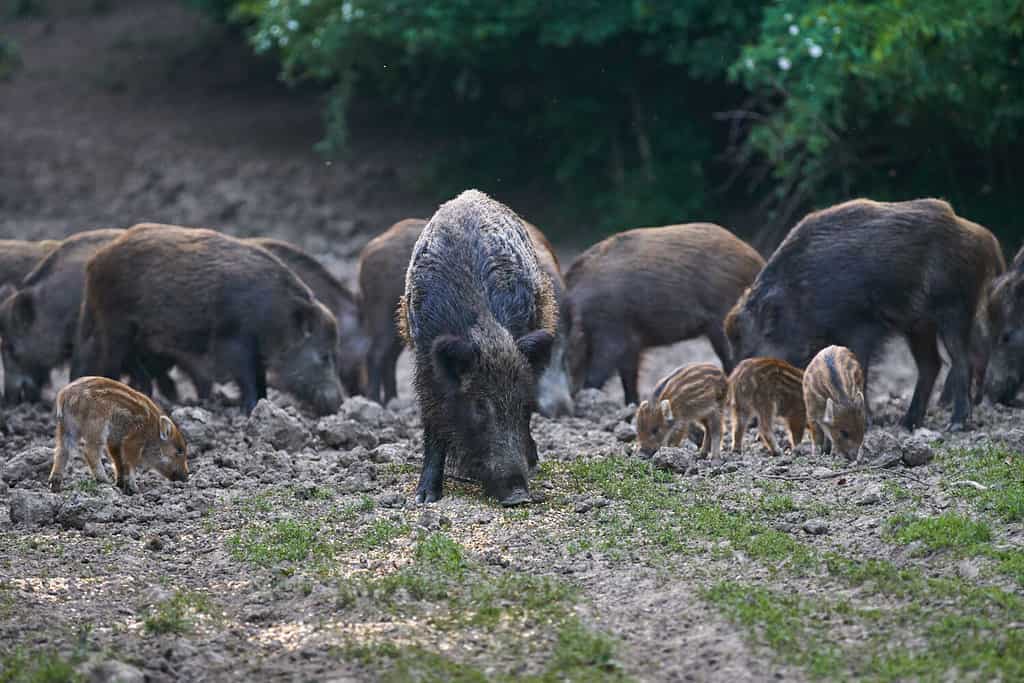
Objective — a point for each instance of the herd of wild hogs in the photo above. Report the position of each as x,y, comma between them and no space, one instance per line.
498,331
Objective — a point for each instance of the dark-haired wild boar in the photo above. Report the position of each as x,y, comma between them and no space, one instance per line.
218,308
37,322
767,388
860,272
480,315
1004,315
17,259
691,394
353,343
649,287
834,399
97,414
382,266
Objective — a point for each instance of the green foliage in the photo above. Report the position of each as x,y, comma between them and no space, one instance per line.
38,667
281,540
948,530
1000,470
176,614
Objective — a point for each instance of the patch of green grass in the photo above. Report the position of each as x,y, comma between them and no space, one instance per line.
89,486
176,614
354,510
39,666
945,531
282,540
440,551
583,655
776,504
896,491
381,532
399,469
258,502
1000,470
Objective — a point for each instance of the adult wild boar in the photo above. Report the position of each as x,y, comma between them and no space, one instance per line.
480,316
856,273
653,286
352,341
17,259
1004,315
382,266
37,322
218,308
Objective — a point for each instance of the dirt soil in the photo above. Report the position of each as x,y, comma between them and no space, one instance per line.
296,552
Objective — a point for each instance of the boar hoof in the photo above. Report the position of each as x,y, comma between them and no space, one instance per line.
517,497
428,495
55,484
959,427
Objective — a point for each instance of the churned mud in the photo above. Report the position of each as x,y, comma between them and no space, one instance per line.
295,551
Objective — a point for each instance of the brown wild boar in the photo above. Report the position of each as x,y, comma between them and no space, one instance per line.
216,307
860,272
382,266
97,414
689,394
766,388
480,315
1004,318
37,322
649,287
834,398
352,341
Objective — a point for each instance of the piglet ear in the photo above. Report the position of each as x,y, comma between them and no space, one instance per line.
536,346
166,427
830,412
666,410
452,357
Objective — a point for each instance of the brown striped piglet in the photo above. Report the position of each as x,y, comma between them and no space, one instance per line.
834,397
689,394
767,388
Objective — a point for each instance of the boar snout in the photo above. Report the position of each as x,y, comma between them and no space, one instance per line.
328,399
511,491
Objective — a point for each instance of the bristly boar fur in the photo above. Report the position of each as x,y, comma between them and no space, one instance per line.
649,287
352,341
859,272
217,307
17,259
765,388
97,414
480,315
833,396
1004,319
37,322
689,394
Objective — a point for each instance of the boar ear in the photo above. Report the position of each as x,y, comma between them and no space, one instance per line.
666,410
452,357
830,414
536,346
166,427
23,310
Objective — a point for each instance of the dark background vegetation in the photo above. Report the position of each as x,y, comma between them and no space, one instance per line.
640,112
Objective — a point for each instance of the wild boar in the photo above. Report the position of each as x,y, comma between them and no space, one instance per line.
17,259
98,414
689,394
653,286
859,272
1004,316
480,316
834,398
766,388
218,308
37,322
382,266
353,343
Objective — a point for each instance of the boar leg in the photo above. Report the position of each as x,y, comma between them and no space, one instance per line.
925,349
249,371
957,341
764,428
817,437
739,426
91,454
795,426
65,445
388,372
629,369
432,475
713,434
716,335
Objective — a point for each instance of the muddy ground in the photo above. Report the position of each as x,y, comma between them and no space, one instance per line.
295,551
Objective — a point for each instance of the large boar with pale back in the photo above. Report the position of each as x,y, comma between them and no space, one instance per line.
38,320
480,316
834,399
353,343
767,388
218,308
691,394
382,266
860,272
98,415
649,287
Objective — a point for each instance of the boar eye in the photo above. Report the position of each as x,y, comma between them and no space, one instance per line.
844,434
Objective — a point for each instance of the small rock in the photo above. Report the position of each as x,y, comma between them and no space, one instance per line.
32,464
362,409
339,432
33,508
111,671
391,500
583,506
387,453
928,435
432,520
155,543
625,432
79,509
917,451
778,469
197,426
672,459
968,569
815,527
483,518
600,502
821,472
879,445
275,426
872,495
